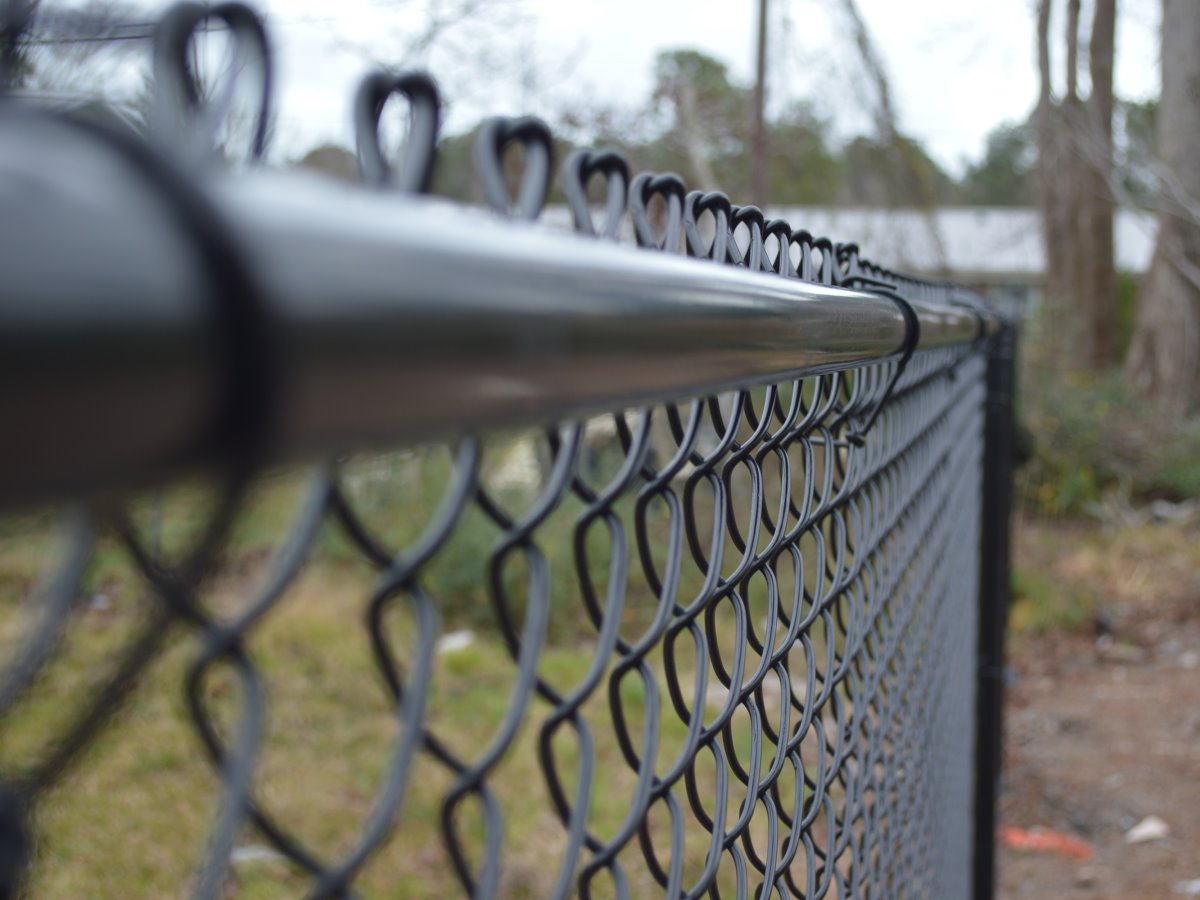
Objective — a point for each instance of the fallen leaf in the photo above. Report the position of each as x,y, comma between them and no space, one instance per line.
455,641
1151,828
254,853
1044,840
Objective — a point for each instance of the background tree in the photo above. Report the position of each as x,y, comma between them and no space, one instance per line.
1164,358
1135,124
707,115
474,46
15,18
1074,176
1002,176
81,51
895,172
914,183
698,122
802,168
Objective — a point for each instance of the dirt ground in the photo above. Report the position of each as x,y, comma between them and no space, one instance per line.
1103,719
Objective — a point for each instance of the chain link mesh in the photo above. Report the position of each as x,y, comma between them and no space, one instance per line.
721,643
774,630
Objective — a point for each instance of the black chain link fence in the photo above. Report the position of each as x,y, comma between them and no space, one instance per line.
724,639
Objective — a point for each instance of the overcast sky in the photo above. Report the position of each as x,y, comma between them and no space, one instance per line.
958,67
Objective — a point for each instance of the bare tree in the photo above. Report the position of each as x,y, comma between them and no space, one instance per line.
706,110
758,139
15,17
1098,274
1074,174
1164,359
1050,153
904,165
474,47
79,53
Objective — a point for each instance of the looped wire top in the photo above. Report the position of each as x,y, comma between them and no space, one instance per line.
415,171
719,206
643,189
781,230
183,118
828,272
578,170
752,217
852,273
491,144
853,270
803,239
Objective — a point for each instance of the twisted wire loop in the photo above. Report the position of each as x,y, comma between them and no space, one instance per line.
768,595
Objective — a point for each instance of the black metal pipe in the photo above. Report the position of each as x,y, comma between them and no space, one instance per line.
394,319
994,597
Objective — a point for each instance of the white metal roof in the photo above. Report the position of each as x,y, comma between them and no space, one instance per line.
996,244
986,242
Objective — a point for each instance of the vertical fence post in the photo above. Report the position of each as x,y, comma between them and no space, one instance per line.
994,591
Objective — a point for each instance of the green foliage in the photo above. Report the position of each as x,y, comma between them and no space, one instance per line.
1042,603
693,77
1002,177
331,724
1135,148
893,174
454,173
691,87
333,160
1090,434
801,167
1128,286
1178,473
696,122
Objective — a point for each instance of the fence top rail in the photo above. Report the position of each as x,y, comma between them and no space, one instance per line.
334,317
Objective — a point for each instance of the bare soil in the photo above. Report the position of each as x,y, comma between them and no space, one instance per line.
1103,719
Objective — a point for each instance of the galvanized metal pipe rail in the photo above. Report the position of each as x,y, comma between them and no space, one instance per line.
114,359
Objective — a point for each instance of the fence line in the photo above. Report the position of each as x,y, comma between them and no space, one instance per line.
761,489
323,260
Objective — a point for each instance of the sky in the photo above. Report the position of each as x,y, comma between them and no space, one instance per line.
957,67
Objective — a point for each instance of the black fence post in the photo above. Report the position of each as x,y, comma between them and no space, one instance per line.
994,592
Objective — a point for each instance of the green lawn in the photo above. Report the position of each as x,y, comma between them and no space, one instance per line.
132,816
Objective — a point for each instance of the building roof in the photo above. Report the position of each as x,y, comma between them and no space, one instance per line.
976,243
995,245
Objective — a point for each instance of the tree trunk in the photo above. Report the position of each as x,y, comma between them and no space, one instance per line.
1097,291
1074,194
1072,48
1048,194
1164,360
1068,216
758,139
904,169
1057,191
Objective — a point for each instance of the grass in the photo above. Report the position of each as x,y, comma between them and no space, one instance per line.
132,817
1066,573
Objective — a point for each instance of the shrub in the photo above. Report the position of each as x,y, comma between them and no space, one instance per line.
1088,435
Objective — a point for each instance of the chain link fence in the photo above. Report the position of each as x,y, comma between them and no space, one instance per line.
664,574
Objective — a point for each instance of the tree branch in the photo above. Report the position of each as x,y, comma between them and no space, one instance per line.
1072,51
